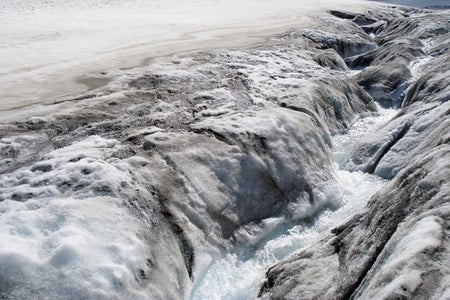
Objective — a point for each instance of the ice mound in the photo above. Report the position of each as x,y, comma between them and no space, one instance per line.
64,227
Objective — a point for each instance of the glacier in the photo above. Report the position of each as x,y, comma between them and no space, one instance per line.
318,159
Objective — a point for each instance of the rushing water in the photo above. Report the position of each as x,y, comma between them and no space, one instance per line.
238,275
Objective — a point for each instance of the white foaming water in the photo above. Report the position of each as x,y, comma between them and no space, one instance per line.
238,277
343,143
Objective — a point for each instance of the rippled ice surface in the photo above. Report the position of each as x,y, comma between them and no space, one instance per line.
50,44
239,275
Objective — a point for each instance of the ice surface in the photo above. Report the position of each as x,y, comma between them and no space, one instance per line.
425,236
423,99
64,228
218,150
239,276
47,45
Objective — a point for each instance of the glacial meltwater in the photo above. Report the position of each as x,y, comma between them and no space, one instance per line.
239,275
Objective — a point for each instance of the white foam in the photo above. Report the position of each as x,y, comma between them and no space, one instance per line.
342,143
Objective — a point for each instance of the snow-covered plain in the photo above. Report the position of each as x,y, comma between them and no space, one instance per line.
48,46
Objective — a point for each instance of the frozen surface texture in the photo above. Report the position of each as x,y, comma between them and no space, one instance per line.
49,48
398,248
422,95
72,227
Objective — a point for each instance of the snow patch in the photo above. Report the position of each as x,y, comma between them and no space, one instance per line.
64,227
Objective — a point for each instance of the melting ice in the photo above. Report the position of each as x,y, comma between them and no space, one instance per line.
238,275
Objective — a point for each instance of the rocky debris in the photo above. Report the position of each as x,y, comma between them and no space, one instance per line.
398,247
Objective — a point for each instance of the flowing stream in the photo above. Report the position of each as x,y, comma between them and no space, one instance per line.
238,275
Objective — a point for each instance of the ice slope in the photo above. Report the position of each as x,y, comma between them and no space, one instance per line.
48,47
398,246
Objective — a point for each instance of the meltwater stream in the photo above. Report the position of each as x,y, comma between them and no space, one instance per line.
237,276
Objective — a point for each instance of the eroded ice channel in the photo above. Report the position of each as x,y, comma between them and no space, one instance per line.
238,275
